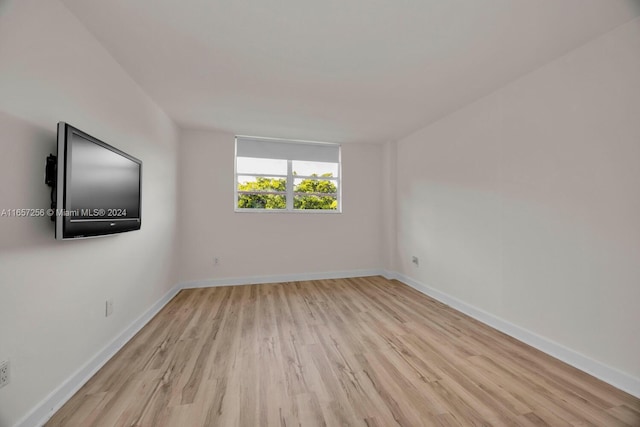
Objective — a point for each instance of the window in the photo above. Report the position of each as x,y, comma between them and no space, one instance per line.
286,176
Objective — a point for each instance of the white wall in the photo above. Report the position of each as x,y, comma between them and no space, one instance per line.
526,204
389,203
267,244
52,293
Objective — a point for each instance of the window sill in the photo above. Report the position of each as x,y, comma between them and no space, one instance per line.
284,211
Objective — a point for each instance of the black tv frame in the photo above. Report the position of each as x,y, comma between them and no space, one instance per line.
56,173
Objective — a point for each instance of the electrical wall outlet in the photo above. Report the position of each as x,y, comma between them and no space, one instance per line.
216,261
415,260
108,308
4,373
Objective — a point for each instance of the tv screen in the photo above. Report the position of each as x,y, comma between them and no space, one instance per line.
98,187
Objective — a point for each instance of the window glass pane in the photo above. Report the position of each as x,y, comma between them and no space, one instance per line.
315,202
315,194
262,201
314,168
251,192
250,165
261,184
308,185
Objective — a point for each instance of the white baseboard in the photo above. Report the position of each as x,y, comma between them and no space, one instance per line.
597,369
58,397
253,280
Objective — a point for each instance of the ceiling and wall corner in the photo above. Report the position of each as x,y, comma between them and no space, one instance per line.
356,71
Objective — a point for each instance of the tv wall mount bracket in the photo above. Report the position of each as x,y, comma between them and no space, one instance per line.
51,179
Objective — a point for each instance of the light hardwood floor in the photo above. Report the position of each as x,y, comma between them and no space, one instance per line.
350,352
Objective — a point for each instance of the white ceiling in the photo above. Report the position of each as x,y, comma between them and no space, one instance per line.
335,70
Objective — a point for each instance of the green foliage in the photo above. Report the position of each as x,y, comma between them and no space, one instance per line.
263,201
317,194
320,200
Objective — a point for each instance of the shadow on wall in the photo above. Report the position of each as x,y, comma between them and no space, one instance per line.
24,148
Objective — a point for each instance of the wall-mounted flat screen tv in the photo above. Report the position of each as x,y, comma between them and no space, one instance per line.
98,188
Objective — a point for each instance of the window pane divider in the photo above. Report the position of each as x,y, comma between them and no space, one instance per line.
316,178
289,185
262,175
279,193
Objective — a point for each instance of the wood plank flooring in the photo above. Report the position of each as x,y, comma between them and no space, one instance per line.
350,352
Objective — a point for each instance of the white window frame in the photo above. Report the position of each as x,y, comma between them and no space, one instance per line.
290,179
